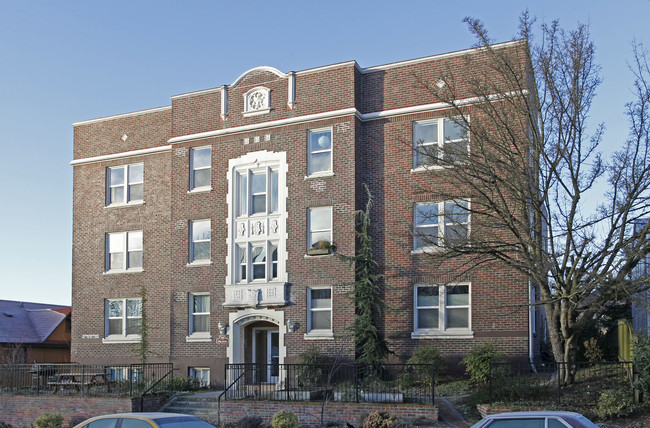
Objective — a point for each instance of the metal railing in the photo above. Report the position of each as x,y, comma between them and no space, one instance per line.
570,384
131,380
389,383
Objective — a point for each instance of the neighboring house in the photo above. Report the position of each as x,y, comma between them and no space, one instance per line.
641,302
34,332
226,206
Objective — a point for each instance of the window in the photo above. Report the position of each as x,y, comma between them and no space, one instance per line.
442,308
440,224
124,251
320,151
201,374
200,168
257,191
438,142
320,226
319,316
124,184
199,322
257,261
123,318
200,245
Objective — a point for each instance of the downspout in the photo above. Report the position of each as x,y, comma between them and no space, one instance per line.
531,326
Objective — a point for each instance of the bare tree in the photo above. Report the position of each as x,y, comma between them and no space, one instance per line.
532,173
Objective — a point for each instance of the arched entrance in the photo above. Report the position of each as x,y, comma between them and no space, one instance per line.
257,336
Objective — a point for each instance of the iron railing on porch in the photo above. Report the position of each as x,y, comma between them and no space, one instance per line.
389,383
131,380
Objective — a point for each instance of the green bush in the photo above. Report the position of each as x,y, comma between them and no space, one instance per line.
185,384
250,422
427,354
593,353
642,363
382,420
614,403
284,419
49,420
314,369
478,359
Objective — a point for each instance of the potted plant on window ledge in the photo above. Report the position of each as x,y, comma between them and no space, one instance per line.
321,248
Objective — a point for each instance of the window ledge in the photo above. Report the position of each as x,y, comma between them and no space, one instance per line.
200,190
436,334
128,204
427,168
200,263
117,272
199,338
319,335
256,112
318,256
427,250
320,175
121,339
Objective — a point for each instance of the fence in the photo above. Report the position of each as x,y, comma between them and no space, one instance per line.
131,380
389,383
545,384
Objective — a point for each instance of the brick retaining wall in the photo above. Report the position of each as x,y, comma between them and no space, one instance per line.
23,410
309,413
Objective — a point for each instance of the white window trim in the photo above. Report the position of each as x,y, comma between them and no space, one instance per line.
279,236
440,143
201,336
310,232
192,373
127,201
268,269
191,241
442,331
119,338
200,189
440,225
319,333
328,172
124,251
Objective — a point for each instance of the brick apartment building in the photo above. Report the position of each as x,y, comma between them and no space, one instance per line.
216,204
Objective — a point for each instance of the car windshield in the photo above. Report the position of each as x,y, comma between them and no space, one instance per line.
182,421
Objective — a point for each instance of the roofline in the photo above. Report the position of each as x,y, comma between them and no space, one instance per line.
122,115
319,69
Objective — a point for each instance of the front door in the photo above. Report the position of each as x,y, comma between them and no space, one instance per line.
266,354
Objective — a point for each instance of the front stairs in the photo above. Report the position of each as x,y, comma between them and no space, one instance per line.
202,405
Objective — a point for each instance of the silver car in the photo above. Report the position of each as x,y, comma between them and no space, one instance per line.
539,419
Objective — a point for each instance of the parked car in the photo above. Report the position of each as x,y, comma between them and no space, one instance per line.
540,419
145,420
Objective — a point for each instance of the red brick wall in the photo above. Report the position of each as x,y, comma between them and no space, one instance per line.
309,413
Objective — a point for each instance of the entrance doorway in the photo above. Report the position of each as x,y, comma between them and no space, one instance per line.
266,354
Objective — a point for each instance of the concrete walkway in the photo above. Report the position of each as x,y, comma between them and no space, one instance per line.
449,415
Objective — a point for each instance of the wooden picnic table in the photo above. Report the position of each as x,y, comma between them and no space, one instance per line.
79,380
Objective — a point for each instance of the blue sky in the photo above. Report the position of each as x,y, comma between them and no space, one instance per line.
67,61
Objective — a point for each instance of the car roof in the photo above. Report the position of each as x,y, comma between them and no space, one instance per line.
139,415
533,413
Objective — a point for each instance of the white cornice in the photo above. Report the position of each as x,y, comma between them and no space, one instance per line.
260,68
112,156
270,124
191,94
438,56
120,116
327,67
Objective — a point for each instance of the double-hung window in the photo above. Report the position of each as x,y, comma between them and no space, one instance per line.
200,168
320,151
257,261
124,251
257,205
320,226
123,318
199,316
441,309
439,142
319,306
440,224
124,184
200,241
